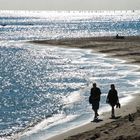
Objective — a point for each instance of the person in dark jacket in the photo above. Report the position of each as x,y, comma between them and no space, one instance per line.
112,99
94,99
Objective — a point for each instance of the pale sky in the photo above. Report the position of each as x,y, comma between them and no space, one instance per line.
69,4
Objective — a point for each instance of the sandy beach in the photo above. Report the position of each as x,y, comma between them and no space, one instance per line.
127,48
119,129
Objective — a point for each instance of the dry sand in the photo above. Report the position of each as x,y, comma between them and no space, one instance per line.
108,129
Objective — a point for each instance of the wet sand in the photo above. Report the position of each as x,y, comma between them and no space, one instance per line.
119,129
127,48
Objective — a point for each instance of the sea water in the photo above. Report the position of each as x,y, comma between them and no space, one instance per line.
44,89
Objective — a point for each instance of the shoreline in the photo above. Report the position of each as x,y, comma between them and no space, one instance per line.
127,49
88,130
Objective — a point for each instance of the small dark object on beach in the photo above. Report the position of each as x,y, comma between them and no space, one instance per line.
130,118
119,37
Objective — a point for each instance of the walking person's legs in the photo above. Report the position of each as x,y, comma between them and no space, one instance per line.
112,112
96,114
95,107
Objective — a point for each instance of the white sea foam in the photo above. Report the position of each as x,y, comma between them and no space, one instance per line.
109,71
42,81
41,130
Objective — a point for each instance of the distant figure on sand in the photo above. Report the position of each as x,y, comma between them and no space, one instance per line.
119,37
113,100
94,99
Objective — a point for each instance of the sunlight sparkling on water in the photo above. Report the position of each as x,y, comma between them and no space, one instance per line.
46,88
39,82
29,25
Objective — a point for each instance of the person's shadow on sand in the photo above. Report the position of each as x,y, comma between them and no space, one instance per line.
115,118
97,120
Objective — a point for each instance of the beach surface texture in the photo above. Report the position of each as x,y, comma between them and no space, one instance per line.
127,125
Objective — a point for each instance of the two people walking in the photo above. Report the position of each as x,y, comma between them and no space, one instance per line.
112,99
